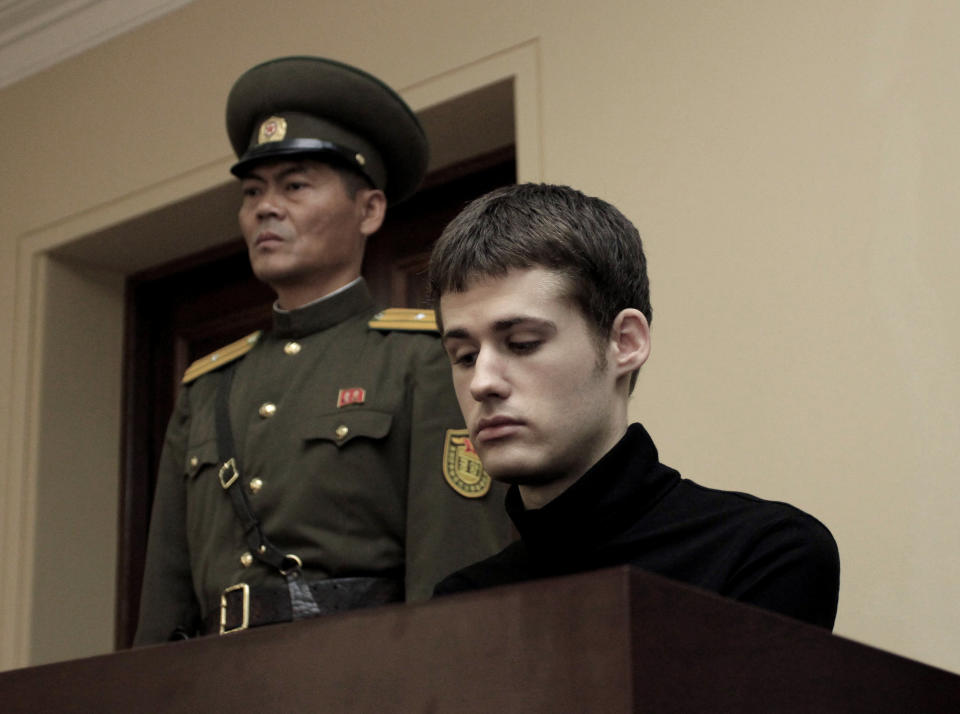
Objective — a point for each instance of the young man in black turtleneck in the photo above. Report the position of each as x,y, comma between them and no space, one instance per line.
545,314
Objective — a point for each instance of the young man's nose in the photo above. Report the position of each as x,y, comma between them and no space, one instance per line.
488,379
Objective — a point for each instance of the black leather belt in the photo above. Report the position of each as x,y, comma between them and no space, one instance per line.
243,606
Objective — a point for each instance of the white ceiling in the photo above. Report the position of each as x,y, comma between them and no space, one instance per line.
35,34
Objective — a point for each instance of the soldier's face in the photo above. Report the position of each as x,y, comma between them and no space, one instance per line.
535,388
305,234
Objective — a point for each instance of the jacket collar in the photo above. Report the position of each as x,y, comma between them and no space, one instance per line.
323,313
613,494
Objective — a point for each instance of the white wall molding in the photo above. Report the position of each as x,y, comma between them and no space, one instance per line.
35,34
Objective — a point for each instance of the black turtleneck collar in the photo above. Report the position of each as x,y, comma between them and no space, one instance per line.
626,482
324,313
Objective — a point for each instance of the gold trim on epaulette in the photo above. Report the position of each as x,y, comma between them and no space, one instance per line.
222,356
405,318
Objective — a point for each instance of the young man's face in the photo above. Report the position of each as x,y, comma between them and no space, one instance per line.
536,396
305,235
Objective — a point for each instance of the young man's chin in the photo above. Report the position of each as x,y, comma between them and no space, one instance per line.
514,471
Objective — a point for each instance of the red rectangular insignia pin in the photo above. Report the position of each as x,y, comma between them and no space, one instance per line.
353,395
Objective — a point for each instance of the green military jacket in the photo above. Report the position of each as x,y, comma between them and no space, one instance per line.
346,433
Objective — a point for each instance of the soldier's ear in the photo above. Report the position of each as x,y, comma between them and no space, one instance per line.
372,204
629,341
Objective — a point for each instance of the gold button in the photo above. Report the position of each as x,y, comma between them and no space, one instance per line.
246,560
255,485
268,409
194,461
342,431
292,348
262,549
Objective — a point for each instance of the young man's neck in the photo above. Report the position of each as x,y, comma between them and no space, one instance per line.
539,495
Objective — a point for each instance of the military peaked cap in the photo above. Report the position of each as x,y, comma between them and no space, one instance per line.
295,106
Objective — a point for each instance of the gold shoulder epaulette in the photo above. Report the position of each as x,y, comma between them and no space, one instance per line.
407,319
222,356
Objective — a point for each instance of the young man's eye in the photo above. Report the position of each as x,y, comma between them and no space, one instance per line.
250,191
525,346
464,359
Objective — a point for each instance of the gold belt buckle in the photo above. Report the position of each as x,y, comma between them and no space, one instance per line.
245,619
228,473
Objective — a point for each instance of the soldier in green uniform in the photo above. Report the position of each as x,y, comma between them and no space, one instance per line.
324,465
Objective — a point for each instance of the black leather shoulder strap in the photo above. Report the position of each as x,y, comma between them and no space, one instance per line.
260,547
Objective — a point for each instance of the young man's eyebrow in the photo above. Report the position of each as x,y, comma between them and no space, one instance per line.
511,322
459,333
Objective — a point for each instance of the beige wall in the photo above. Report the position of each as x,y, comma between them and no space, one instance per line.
72,593
792,167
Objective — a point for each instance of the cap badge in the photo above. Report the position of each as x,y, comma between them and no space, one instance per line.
461,465
353,395
272,129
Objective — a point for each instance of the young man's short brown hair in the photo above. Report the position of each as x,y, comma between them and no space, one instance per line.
585,239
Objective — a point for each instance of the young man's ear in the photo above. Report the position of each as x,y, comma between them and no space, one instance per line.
630,341
372,204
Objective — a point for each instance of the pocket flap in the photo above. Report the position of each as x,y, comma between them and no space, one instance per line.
200,456
345,426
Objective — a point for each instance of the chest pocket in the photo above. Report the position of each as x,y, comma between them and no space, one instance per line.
343,427
200,457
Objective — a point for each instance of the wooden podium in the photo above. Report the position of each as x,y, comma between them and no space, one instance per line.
611,641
